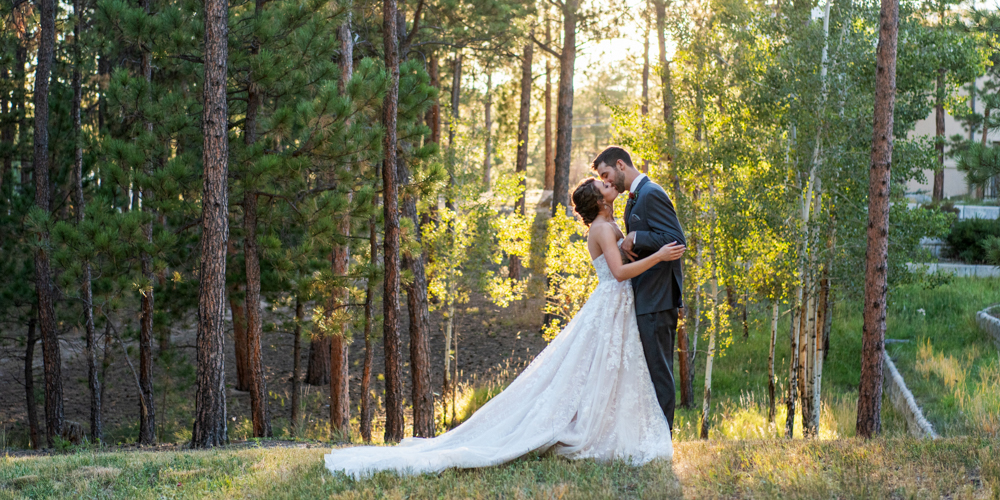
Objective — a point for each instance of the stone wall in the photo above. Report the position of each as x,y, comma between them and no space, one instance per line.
902,399
989,323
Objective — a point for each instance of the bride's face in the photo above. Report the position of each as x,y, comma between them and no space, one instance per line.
608,191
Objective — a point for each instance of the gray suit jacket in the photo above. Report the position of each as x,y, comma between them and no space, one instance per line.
651,215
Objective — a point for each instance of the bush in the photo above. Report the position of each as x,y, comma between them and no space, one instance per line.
967,238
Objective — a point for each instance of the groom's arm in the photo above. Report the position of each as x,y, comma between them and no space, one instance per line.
664,228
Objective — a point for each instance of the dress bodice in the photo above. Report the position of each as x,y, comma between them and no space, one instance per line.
603,270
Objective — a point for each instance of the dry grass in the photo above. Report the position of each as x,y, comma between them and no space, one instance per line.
844,468
974,387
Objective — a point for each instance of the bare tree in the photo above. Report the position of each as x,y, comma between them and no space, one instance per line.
296,365
29,381
876,257
210,397
366,376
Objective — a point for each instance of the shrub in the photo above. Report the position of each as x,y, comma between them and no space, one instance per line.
967,237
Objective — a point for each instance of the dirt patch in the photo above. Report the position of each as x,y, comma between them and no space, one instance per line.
490,339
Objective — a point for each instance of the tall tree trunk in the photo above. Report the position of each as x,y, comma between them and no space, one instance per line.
238,309
390,307
147,409
340,401
296,366
86,292
421,391
488,118
645,95
210,397
684,368
318,369
873,333
550,154
29,382
255,364
43,279
771,406
422,394
938,193
817,352
710,357
523,123
434,113
696,331
793,372
366,376
665,80
564,108
456,93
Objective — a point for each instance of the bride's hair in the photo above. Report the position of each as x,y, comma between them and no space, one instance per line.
587,200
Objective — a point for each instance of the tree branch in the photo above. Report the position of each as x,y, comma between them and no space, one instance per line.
544,46
405,46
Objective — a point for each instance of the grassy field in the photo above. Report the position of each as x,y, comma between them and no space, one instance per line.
949,364
848,468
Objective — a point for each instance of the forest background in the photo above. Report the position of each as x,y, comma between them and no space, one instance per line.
348,185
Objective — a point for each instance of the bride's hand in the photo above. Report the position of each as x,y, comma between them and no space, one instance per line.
670,251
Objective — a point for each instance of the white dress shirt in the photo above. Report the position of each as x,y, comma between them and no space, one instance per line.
631,189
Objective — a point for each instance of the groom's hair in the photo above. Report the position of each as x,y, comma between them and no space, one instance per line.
610,157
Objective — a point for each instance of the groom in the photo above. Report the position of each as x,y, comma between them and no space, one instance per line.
651,222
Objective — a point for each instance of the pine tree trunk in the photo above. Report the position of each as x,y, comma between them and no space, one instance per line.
43,278
238,310
29,383
147,409
488,125
259,411
873,333
564,109
550,154
86,292
340,401
422,394
318,369
645,71
366,376
938,189
771,406
296,366
434,113
523,123
456,93
448,334
390,307
210,397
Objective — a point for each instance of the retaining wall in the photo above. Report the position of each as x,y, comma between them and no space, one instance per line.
902,399
989,323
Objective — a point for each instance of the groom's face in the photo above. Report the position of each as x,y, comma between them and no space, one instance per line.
613,175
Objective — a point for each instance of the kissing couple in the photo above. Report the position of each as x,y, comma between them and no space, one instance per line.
604,387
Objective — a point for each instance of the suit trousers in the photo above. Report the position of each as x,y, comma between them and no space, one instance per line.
656,332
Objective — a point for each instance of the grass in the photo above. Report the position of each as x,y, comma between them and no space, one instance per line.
955,468
938,321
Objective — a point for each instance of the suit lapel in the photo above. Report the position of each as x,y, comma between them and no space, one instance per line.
632,202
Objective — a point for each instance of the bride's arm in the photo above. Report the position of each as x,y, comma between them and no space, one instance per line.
605,236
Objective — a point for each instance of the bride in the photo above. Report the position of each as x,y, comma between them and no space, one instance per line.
587,395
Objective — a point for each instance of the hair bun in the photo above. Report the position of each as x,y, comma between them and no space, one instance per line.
587,199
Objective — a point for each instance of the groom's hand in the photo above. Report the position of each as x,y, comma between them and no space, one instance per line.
628,246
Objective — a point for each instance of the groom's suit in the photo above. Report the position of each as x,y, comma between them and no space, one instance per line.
650,214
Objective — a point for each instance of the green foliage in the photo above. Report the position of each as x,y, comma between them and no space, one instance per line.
569,270
970,239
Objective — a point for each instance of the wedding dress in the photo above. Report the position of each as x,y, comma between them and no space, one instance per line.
587,395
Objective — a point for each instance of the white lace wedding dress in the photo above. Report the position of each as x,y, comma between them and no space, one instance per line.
587,395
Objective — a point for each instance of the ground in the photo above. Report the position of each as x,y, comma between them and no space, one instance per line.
847,468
